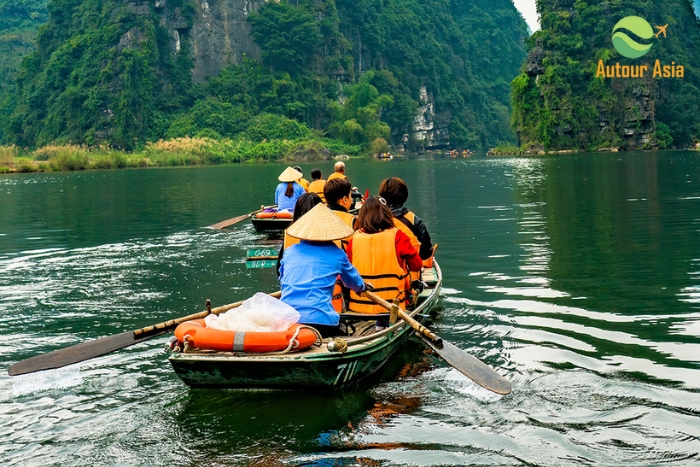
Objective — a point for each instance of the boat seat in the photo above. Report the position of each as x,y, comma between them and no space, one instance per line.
429,276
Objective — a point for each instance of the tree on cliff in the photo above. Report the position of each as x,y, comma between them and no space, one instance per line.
560,103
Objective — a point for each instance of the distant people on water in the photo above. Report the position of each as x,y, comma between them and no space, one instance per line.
309,269
289,190
302,181
395,192
339,171
383,255
303,205
317,184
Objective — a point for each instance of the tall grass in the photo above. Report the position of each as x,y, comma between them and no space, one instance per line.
7,154
163,153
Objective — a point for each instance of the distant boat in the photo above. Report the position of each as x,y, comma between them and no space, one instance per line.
384,155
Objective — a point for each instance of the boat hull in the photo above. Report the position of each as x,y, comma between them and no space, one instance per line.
270,225
310,369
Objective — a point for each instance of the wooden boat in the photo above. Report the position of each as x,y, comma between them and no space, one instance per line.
267,222
319,366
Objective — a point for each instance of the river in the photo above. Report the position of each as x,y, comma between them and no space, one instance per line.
575,276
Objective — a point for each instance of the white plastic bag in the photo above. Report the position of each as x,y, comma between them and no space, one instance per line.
260,313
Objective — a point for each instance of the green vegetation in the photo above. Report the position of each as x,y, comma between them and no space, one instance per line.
336,75
19,22
560,104
173,152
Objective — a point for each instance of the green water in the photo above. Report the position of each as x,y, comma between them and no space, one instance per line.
577,277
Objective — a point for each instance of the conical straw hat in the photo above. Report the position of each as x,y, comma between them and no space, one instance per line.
320,225
290,175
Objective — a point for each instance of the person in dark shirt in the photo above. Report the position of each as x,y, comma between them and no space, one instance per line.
395,192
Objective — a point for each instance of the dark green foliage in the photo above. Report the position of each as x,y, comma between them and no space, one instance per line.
19,21
104,71
287,35
464,52
222,118
567,107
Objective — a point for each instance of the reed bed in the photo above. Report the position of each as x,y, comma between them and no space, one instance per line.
163,153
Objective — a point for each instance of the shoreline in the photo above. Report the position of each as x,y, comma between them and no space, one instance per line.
177,152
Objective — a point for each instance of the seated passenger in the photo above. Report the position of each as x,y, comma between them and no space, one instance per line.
302,181
303,205
309,269
395,192
338,194
383,255
317,184
339,171
289,191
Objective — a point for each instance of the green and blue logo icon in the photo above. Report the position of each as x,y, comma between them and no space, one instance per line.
631,46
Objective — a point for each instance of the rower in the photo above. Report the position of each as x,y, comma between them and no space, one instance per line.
317,184
395,192
309,269
339,171
289,191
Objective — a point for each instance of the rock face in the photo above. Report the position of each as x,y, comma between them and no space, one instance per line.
219,35
561,102
430,130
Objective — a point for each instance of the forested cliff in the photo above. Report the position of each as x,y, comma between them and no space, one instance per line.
562,101
424,74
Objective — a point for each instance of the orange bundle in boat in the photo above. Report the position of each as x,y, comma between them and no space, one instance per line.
198,335
274,215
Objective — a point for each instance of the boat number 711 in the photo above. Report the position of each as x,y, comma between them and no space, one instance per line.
346,371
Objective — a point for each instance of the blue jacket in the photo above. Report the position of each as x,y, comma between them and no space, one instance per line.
286,202
308,272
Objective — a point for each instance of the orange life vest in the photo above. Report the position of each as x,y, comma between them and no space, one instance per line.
336,175
289,241
317,187
374,256
410,217
337,300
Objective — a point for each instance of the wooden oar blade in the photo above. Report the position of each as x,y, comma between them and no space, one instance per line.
77,353
471,367
230,222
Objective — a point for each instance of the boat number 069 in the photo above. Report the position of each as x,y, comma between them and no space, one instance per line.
346,371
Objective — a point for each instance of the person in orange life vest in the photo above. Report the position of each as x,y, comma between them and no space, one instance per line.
317,184
309,269
289,191
339,198
302,181
383,255
395,192
338,194
339,169
303,205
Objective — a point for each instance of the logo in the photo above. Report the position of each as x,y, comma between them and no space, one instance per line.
632,38
628,46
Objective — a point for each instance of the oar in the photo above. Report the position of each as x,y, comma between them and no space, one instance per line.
467,364
236,220
104,345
